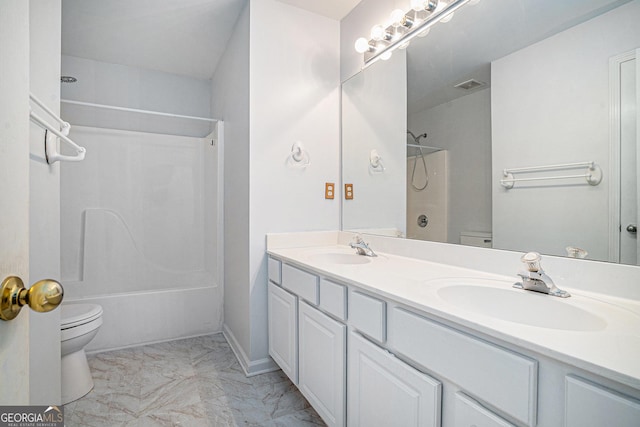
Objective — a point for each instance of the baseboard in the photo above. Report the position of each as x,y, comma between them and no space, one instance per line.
250,367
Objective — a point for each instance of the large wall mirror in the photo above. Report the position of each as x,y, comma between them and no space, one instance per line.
547,90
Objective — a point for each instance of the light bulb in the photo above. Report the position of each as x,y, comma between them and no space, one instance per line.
418,5
441,5
386,55
378,32
362,45
424,32
447,18
397,16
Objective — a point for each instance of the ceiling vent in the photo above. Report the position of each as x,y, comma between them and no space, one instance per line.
470,84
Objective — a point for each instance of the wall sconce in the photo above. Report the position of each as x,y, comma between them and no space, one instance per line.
405,26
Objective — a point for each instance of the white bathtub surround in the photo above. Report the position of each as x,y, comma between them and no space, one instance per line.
469,348
140,220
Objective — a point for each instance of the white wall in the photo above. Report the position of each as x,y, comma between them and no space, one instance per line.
230,102
273,88
294,96
379,198
560,86
132,87
463,128
44,200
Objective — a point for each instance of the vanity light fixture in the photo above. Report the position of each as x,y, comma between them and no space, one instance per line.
404,27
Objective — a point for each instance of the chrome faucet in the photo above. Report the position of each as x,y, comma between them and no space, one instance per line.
361,247
535,279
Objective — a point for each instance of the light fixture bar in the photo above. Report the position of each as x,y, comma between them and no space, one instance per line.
372,56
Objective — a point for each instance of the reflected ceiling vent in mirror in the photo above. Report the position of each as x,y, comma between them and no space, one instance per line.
68,79
470,84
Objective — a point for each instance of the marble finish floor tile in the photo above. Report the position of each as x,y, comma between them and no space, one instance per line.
192,382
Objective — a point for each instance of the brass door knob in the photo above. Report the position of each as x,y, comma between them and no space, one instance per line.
42,296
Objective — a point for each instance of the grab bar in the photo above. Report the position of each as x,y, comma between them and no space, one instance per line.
593,174
51,152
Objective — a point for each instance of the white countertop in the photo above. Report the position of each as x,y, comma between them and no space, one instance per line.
601,333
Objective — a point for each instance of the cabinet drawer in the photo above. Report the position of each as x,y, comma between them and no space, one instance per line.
384,391
503,379
368,315
273,267
301,283
589,405
469,413
333,298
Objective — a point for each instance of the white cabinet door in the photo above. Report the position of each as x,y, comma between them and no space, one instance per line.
384,391
468,413
322,364
283,330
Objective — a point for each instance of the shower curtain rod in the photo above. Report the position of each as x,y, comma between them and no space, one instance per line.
135,110
426,147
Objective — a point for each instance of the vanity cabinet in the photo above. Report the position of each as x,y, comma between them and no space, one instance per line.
363,359
384,391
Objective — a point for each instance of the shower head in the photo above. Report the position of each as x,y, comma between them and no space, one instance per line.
416,138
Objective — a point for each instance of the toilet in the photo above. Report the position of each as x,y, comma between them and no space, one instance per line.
79,323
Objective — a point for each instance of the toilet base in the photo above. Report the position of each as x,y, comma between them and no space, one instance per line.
76,376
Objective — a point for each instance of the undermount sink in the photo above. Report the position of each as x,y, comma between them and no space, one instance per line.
339,258
524,307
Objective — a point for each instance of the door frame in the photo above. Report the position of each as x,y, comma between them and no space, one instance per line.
614,152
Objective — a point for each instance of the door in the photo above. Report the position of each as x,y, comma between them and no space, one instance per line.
14,192
629,153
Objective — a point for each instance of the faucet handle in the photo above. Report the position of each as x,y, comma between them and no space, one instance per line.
532,260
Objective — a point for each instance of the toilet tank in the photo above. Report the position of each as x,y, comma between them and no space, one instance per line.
480,239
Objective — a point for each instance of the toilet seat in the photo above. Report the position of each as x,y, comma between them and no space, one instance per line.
74,315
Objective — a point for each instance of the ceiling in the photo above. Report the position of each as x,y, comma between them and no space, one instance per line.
185,37
334,9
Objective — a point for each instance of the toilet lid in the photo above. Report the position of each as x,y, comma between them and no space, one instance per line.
78,314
